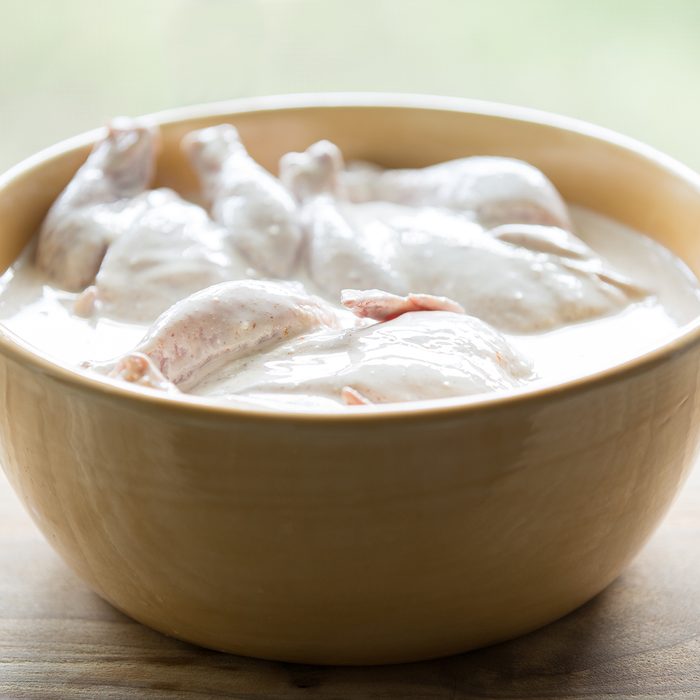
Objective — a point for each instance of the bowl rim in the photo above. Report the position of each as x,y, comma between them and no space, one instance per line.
684,338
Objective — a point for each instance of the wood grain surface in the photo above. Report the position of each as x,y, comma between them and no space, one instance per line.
638,639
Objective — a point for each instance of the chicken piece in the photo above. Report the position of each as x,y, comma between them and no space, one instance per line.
226,322
338,255
514,288
97,205
246,199
518,278
415,356
496,190
383,306
172,250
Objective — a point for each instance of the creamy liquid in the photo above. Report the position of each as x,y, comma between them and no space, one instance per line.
42,316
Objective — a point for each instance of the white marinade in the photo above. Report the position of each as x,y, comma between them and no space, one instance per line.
42,316
462,278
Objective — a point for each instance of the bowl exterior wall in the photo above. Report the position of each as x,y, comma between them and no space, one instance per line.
350,543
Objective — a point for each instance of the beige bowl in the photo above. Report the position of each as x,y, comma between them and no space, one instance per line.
391,533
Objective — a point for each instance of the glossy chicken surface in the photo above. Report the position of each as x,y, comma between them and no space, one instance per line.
228,321
260,339
418,355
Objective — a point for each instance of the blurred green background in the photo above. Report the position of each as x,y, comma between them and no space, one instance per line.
68,65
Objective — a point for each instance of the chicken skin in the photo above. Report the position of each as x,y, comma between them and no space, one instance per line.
258,212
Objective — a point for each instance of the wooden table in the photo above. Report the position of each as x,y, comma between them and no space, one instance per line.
638,639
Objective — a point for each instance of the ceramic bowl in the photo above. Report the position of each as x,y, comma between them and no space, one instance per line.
385,534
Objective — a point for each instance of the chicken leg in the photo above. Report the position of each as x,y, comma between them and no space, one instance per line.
248,201
98,205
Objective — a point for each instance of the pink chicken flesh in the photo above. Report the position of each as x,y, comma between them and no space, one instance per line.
382,306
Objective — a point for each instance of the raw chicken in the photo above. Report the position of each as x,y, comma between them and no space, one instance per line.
415,356
428,264
338,255
496,190
223,323
382,306
248,201
514,288
98,205
519,278
172,250
257,339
